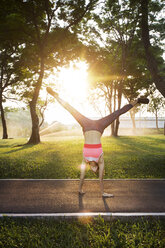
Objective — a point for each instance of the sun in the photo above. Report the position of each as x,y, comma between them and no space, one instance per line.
72,81
72,85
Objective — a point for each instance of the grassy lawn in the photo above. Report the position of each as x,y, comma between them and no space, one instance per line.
39,233
60,157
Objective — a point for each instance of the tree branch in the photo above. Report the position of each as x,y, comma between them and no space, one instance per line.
76,21
42,110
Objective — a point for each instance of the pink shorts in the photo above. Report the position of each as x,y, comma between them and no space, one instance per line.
92,152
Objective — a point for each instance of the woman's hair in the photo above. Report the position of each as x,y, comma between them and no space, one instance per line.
94,164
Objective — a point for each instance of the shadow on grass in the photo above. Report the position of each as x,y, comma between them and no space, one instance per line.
134,157
161,141
21,147
151,144
7,144
35,163
42,162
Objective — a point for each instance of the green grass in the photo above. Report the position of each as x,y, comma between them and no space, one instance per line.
125,157
47,233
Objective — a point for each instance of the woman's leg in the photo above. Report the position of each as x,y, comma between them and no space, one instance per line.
106,121
82,176
81,119
101,174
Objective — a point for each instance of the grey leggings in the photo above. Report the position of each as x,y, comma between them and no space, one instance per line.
88,124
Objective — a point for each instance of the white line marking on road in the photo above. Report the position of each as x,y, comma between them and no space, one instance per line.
78,215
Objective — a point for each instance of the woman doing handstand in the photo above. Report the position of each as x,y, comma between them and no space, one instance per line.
93,130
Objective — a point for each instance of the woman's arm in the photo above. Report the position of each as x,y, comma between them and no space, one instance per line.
101,174
82,176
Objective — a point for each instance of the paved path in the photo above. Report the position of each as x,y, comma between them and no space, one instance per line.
60,196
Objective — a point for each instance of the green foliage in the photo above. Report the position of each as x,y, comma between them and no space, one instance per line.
157,102
13,61
47,31
125,157
87,233
118,65
121,56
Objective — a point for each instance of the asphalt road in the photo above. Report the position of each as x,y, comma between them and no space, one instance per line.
61,196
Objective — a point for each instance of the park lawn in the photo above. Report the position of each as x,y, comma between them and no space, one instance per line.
125,157
87,233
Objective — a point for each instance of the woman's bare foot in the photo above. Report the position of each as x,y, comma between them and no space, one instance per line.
143,100
107,195
51,92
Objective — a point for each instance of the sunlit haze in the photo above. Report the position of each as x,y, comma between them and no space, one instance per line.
72,86
73,81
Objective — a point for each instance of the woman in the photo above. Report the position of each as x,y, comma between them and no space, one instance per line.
93,130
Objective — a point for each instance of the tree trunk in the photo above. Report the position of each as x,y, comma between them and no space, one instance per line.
35,136
120,86
156,115
151,60
114,108
110,106
119,105
132,114
113,129
4,126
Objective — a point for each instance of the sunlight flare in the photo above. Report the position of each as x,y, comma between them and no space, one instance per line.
72,85
72,81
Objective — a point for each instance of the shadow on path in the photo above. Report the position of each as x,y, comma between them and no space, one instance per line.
81,205
107,209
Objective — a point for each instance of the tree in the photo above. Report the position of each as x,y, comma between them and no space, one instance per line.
104,85
132,90
11,65
18,121
49,34
8,78
120,32
139,79
155,64
157,103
